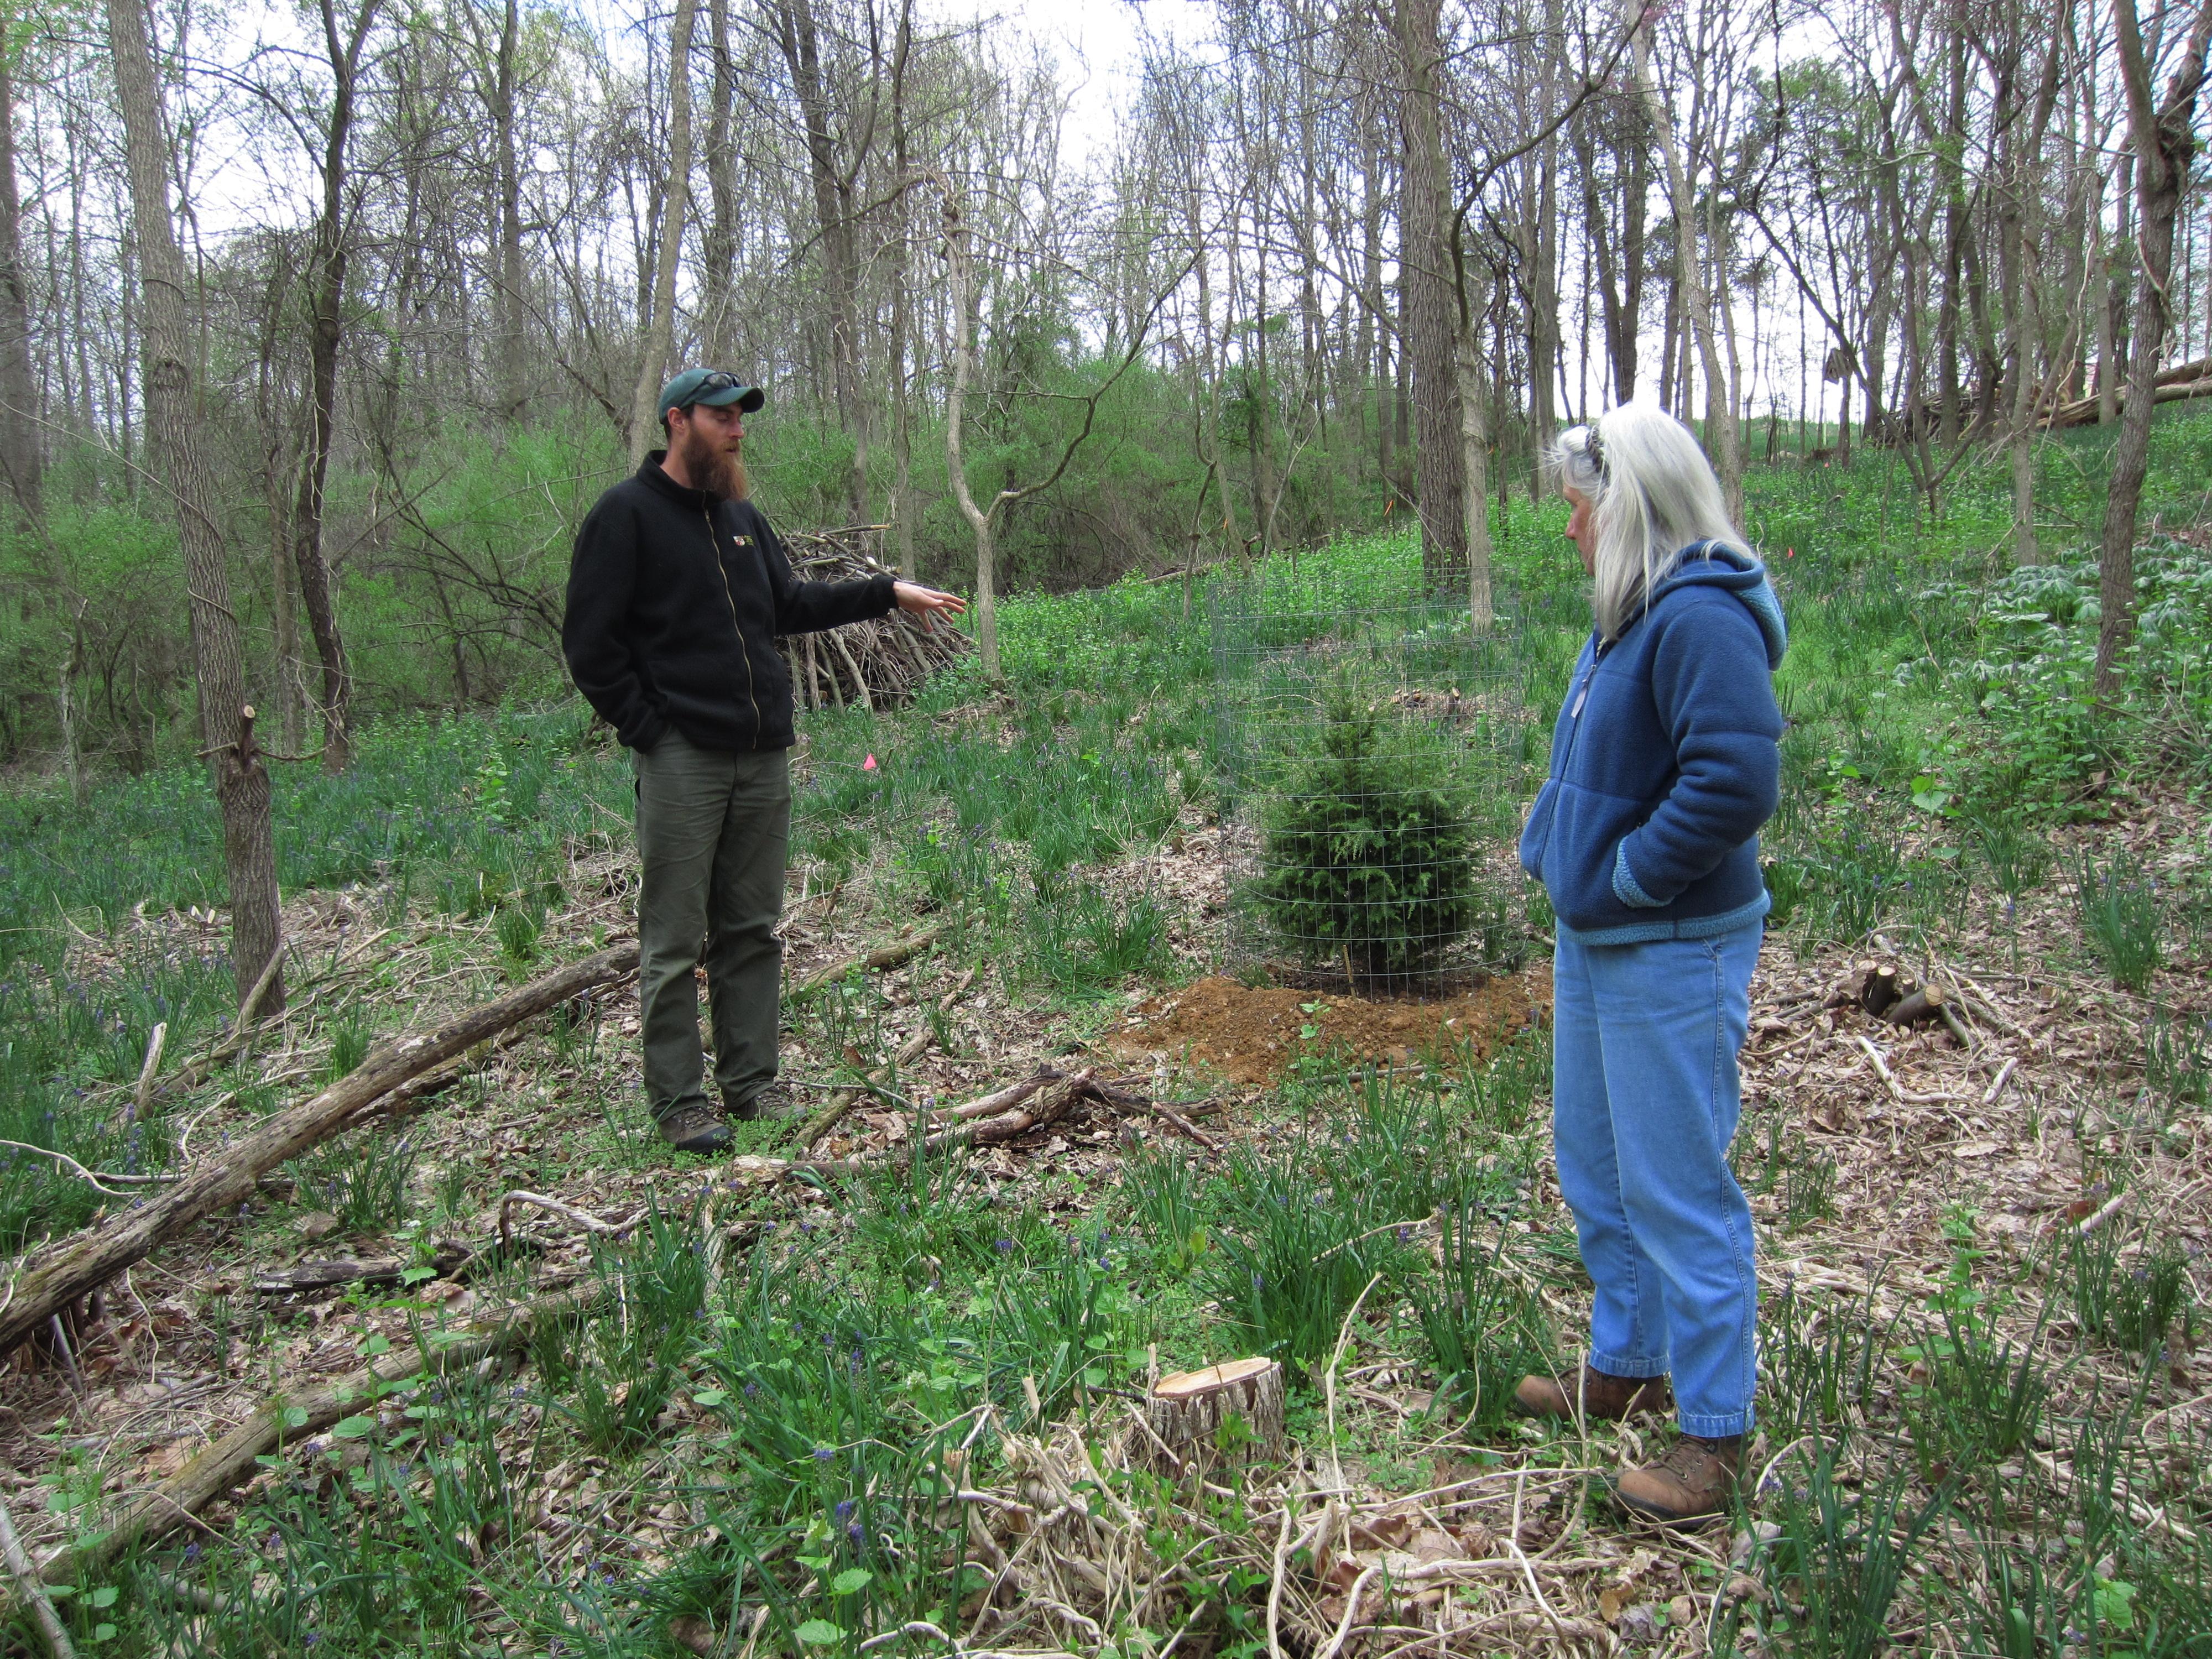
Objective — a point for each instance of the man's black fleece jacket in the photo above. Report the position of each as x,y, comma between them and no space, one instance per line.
674,601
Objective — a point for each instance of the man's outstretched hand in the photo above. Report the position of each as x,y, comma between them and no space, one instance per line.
927,602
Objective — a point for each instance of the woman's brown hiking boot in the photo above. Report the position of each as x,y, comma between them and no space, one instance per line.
1608,1399
1693,1483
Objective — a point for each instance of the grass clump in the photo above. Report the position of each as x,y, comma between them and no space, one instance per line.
2118,907
1484,1330
362,1180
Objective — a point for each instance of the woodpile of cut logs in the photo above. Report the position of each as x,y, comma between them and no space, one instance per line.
871,664
1880,987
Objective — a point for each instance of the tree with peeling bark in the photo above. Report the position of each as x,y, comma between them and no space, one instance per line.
176,427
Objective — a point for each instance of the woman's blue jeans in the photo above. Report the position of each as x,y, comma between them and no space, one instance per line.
1645,1101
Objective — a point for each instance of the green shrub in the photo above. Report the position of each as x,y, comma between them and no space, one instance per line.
1366,860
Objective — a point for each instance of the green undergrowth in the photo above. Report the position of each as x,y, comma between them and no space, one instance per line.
1986,1463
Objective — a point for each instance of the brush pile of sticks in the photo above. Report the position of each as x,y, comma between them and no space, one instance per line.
873,664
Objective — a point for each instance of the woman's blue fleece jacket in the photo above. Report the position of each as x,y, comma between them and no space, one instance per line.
1666,762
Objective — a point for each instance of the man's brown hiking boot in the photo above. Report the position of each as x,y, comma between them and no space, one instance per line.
695,1129
1608,1399
1693,1483
771,1102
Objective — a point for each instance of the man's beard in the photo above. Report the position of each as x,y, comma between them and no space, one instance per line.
720,472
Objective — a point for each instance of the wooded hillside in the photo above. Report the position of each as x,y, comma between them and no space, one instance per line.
369,299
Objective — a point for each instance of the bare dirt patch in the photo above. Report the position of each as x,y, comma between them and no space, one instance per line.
1252,1035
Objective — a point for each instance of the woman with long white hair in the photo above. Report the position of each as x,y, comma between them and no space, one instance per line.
1665,763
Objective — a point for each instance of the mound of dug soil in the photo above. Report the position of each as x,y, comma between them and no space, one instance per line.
1252,1037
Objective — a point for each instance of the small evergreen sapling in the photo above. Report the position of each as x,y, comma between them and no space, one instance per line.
1365,862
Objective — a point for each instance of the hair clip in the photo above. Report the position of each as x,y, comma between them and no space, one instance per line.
1596,450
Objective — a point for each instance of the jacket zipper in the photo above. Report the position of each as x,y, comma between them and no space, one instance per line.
1574,710
714,547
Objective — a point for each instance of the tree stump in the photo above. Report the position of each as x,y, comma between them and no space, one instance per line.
1881,984
1230,1413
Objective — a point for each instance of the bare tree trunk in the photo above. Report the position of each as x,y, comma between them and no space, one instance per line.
718,252
512,311
2164,139
1475,447
1726,445
175,430
660,319
327,328
840,263
65,708
1425,284
1948,323
2112,321
963,366
902,311
23,447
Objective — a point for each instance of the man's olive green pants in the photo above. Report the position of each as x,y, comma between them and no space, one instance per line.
712,830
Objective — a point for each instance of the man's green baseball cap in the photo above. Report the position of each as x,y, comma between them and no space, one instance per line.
712,387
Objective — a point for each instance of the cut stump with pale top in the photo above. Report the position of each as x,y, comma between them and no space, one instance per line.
1186,1413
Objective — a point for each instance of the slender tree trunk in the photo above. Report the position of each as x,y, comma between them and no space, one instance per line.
660,318
964,300
22,446
2112,318
1428,300
65,707
840,263
902,504
176,429
1725,445
327,326
1475,447
2164,140
512,308
284,613
1955,231
718,252
2019,302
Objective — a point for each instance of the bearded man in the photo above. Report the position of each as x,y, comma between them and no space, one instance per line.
677,592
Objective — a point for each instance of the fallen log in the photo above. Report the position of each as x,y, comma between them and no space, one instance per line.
59,1275
898,951
1048,1106
2174,384
843,1100
28,1586
297,1414
321,1275
448,1262
999,1100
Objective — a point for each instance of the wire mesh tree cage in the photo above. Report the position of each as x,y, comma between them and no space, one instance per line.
1371,752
